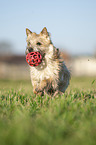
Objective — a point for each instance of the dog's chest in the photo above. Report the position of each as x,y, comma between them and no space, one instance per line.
50,71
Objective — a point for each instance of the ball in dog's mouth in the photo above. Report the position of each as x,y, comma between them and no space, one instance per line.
34,58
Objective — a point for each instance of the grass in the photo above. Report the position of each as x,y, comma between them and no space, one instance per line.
29,120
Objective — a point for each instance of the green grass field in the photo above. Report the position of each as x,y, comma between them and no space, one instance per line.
69,119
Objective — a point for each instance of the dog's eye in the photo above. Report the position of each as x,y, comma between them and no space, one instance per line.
38,43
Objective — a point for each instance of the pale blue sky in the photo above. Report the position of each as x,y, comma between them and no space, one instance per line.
72,23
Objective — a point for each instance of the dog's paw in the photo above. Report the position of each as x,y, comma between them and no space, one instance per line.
35,92
38,92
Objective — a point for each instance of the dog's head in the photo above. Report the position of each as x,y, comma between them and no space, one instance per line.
38,42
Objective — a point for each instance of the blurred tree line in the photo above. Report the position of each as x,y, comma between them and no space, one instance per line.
5,48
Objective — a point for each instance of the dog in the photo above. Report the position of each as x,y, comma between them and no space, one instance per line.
51,76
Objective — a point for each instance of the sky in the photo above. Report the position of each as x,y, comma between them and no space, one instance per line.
71,23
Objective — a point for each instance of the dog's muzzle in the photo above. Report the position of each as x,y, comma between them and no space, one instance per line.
28,50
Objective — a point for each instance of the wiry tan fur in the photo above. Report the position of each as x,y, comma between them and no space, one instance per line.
51,76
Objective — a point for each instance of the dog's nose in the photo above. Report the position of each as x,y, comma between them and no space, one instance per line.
30,49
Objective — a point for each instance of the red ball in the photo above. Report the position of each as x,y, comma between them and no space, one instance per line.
34,58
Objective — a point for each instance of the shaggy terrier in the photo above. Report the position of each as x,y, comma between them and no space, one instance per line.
51,76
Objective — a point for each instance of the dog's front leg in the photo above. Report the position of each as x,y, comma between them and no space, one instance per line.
39,88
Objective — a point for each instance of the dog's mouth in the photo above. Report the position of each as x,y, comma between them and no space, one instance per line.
43,64
28,50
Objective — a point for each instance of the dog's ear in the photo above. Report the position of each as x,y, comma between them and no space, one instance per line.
28,31
44,31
